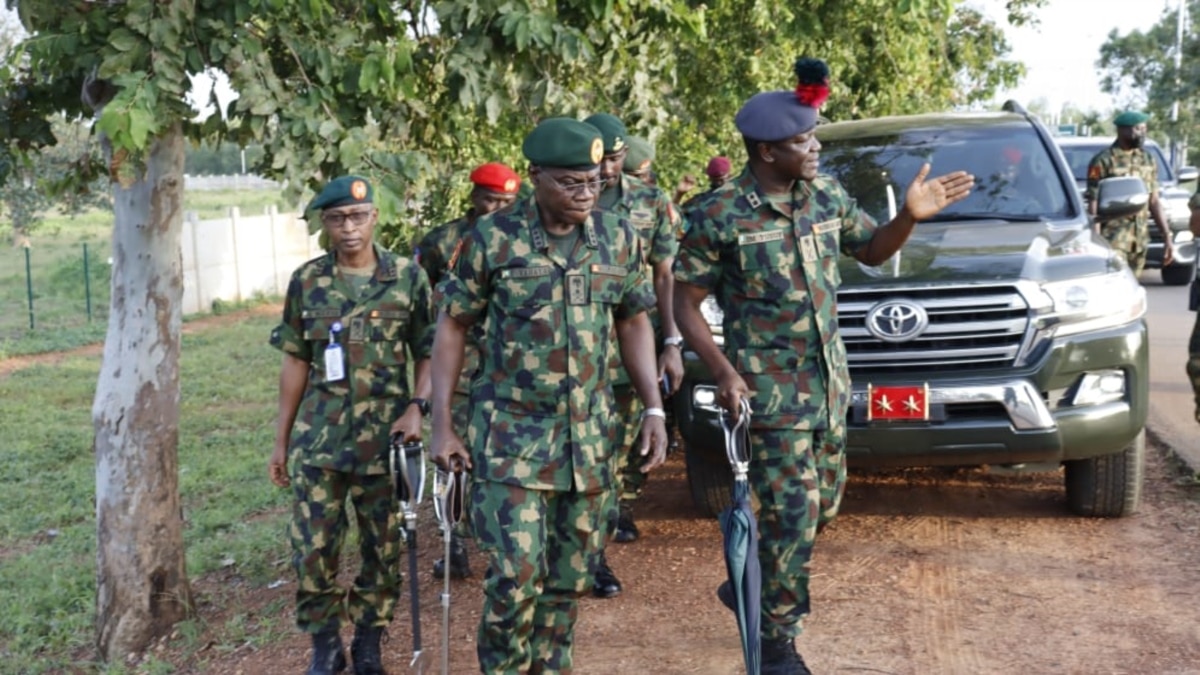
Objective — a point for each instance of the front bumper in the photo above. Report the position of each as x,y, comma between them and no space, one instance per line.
1050,412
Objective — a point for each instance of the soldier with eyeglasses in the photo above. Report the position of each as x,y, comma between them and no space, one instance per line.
352,320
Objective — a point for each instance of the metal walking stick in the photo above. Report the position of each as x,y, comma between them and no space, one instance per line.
449,504
408,471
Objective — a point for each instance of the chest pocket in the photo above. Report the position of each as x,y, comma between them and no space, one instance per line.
608,283
767,259
525,297
643,222
317,324
828,238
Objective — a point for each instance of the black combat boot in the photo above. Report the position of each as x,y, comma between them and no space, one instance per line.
627,531
605,584
779,657
364,649
460,564
327,658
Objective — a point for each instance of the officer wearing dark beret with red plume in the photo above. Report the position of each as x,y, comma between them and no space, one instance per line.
766,246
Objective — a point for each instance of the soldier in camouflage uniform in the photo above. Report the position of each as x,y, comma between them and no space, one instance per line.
551,277
1193,363
351,321
766,244
495,188
1126,157
654,218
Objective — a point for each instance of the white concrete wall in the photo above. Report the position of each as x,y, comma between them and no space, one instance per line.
234,258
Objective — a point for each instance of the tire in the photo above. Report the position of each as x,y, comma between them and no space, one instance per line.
1177,275
711,482
1108,486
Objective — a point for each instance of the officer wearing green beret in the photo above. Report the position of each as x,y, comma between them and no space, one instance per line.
655,220
639,159
352,320
1127,157
554,281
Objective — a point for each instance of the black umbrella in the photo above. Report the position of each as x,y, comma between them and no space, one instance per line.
740,531
408,472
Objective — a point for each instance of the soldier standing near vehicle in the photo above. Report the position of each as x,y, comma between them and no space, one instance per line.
1126,157
495,188
349,318
766,244
555,281
656,223
1193,363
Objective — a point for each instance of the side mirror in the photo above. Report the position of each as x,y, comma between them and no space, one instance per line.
1187,173
1121,197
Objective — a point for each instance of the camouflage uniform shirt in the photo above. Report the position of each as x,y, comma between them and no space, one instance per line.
656,222
1130,233
776,278
540,406
344,425
433,253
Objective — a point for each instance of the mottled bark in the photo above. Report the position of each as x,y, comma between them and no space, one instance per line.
142,588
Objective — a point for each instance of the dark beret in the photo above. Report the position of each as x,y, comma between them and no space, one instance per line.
1130,118
774,115
343,191
564,142
611,129
641,152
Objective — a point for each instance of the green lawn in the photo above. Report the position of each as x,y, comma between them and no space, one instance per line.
56,278
234,516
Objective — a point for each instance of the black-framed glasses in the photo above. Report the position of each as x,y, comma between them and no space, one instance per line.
576,189
336,219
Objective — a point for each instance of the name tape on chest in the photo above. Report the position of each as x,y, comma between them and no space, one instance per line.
761,237
526,272
609,270
822,228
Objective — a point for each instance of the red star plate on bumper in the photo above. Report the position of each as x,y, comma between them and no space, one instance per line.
897,403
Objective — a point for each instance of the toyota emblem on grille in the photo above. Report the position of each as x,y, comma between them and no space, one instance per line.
897,320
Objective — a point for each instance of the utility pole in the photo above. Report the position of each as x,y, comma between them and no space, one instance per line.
1177,150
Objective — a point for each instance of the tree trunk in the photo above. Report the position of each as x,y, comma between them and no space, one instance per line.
142,588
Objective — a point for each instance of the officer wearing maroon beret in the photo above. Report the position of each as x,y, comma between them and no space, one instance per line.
495,187
766,245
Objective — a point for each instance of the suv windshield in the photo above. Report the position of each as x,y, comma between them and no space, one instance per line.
1015,178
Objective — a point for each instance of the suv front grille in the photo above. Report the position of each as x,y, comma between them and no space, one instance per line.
970,328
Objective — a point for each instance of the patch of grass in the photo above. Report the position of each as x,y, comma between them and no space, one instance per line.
234,517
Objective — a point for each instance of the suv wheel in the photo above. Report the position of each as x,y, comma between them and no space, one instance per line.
1177,275
710,480
1109,486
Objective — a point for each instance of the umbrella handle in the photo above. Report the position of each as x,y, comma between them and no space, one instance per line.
737,439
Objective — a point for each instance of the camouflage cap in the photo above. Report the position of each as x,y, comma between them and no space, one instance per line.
343,191
640,154
1130,118
564,142
612,129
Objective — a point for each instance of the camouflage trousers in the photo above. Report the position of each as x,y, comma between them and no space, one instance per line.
541,547
798,478
1193,363
319,526
1130,239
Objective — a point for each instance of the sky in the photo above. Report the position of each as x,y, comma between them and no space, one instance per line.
1060,54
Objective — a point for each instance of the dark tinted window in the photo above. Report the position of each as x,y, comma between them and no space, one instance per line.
1014,171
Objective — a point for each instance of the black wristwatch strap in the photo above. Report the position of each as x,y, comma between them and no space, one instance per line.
421,404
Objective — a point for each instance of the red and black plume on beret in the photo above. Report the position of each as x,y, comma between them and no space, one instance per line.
812,81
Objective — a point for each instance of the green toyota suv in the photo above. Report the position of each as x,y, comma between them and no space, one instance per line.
1018,325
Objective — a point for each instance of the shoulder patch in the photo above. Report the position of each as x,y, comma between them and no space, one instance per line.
1094,172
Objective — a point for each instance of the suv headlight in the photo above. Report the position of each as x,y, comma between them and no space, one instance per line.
1093,303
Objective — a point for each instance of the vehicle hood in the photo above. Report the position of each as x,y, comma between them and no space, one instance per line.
987,252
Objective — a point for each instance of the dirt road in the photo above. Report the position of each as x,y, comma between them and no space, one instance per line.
924,572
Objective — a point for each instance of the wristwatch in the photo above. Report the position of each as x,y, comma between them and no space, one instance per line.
421,404
675,341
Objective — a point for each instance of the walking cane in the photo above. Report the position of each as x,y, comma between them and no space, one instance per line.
408,471
449,504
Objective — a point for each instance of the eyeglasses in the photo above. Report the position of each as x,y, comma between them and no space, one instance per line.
576,189
353,218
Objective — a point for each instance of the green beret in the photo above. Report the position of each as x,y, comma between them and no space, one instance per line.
1130,118
641,152
564,142
612,129
343,191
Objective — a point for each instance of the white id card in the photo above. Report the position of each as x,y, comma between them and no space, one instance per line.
335,365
